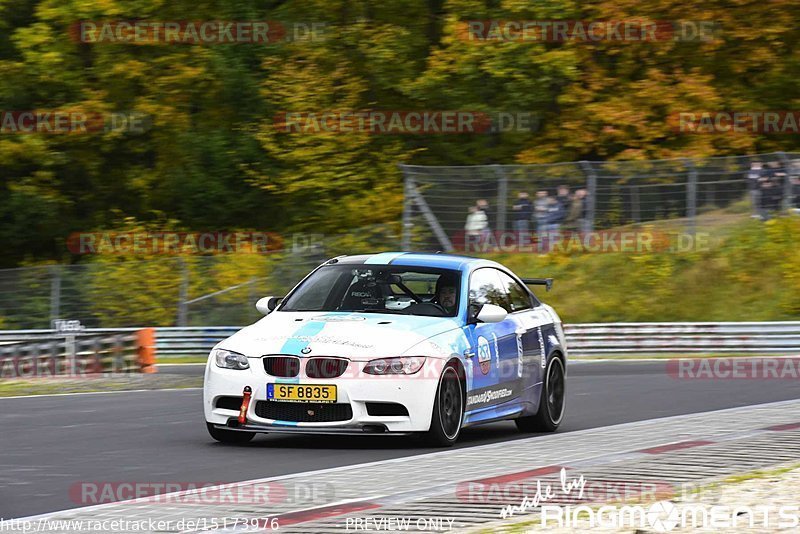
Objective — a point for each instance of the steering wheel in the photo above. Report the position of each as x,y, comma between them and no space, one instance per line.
444,310
424,307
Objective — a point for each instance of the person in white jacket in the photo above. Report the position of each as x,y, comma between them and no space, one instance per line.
477,222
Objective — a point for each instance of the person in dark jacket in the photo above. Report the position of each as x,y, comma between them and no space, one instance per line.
795,176
523,212
577,217
564,198
558,209
556,214
770,198
796,192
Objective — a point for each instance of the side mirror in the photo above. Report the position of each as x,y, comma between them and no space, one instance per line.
491,313
266,305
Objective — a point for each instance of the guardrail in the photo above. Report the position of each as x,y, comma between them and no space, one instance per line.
777,337
75,356
190,341
169,341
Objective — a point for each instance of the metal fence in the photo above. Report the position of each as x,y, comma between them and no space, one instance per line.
190,290
437,198
635,339
45,353
116,291
587,339
778,337
119,290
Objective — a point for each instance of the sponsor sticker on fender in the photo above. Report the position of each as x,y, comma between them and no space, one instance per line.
493,394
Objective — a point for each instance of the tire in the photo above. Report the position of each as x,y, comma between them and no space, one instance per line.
229,436
551,401
448,409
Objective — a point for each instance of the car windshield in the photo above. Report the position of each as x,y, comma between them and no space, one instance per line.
378,289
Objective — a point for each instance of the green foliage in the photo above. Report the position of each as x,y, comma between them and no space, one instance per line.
750,274
212,158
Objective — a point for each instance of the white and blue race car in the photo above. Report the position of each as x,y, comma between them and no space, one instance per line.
392,343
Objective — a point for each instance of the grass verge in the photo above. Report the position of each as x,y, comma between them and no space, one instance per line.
54,385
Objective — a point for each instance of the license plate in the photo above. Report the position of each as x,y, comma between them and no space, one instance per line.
301,393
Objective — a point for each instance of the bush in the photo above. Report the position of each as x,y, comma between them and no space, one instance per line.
750,274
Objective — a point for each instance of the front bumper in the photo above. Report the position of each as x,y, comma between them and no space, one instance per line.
356,429
355,388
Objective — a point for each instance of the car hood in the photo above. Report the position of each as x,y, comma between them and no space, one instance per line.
351,335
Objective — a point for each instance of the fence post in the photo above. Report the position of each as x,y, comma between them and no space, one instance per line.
431,219
635,205
502,198
787,182
405,242
711,198
252,299
183,293
72,354
55,292
691,197
591,192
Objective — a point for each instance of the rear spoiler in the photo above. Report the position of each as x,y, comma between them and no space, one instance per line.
547,282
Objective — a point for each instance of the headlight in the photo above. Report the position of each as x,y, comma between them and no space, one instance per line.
230,360
406,365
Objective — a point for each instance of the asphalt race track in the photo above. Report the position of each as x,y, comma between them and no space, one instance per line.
48,444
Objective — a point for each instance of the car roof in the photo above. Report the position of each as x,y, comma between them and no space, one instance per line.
417,259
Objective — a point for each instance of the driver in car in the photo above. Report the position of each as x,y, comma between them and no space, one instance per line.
446,294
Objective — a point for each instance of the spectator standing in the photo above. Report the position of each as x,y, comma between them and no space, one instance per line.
770,197
795,177
780,175
477,223
563,197
796,193
483,205
523,212
577,217
776,202
540,207
556,214
558,209
754,176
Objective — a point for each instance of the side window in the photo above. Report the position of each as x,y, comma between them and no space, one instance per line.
485,287
520,299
